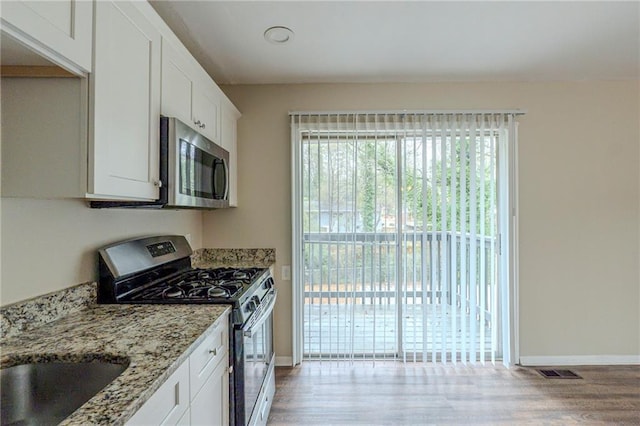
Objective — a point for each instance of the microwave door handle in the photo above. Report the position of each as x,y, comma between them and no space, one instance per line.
220,163
226,180
214,180
263,316
225,175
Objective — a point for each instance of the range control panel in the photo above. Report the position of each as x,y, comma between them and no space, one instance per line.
161,249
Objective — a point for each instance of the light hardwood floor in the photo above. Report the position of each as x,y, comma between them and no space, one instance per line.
392,393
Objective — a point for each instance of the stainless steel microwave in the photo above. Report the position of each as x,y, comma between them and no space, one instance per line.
194,171
198,168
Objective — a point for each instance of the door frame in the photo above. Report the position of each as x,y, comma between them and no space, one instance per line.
510,337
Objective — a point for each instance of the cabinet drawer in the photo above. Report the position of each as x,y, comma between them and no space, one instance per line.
205,358
168,404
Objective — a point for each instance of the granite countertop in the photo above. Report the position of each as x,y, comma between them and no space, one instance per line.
154,339
236,258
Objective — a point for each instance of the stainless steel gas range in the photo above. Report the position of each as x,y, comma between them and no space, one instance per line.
158,270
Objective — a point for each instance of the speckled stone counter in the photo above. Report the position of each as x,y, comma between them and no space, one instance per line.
33,313
238,258
153,339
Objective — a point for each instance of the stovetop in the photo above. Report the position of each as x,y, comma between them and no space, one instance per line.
198,285
158,270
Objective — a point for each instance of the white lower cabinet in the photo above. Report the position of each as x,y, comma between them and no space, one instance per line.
205,358
210,406
197,393
209,378
168,404
186,418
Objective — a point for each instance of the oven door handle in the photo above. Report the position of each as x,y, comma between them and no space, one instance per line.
263,316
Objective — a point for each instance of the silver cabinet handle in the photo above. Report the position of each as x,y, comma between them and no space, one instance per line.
157,183
213,351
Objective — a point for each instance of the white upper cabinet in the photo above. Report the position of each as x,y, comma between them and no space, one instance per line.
188,93
105,141
228,123
206,111
61,31
124,120
177,85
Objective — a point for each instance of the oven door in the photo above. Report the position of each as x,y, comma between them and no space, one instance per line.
257,360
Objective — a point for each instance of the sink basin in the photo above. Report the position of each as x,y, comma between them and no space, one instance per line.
46,393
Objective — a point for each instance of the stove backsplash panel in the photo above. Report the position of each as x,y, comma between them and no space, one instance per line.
234,258
33,313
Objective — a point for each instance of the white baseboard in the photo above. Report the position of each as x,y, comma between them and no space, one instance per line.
579,360
284,361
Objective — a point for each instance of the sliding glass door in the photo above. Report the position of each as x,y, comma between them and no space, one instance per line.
398,235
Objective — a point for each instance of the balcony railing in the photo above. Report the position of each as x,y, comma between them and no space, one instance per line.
391,272
369,261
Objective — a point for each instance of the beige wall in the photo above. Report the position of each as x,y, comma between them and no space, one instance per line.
48,245
579,198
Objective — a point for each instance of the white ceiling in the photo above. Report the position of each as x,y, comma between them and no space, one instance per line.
410,41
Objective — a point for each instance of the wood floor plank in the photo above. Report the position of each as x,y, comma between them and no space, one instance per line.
393,393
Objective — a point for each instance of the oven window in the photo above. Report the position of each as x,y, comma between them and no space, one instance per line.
257,353
196,171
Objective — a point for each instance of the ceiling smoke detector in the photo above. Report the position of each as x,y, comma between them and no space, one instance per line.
278,35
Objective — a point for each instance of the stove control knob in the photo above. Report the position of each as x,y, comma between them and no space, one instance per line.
251,305
268,284
256,300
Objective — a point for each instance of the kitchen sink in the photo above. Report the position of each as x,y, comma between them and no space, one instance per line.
48,392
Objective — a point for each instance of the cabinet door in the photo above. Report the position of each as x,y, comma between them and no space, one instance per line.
213,350
169,404
177,85
59,30
229,142
123,149
211,405
206,110
194,103
186,418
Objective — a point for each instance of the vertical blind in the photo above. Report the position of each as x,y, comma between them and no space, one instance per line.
398,234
